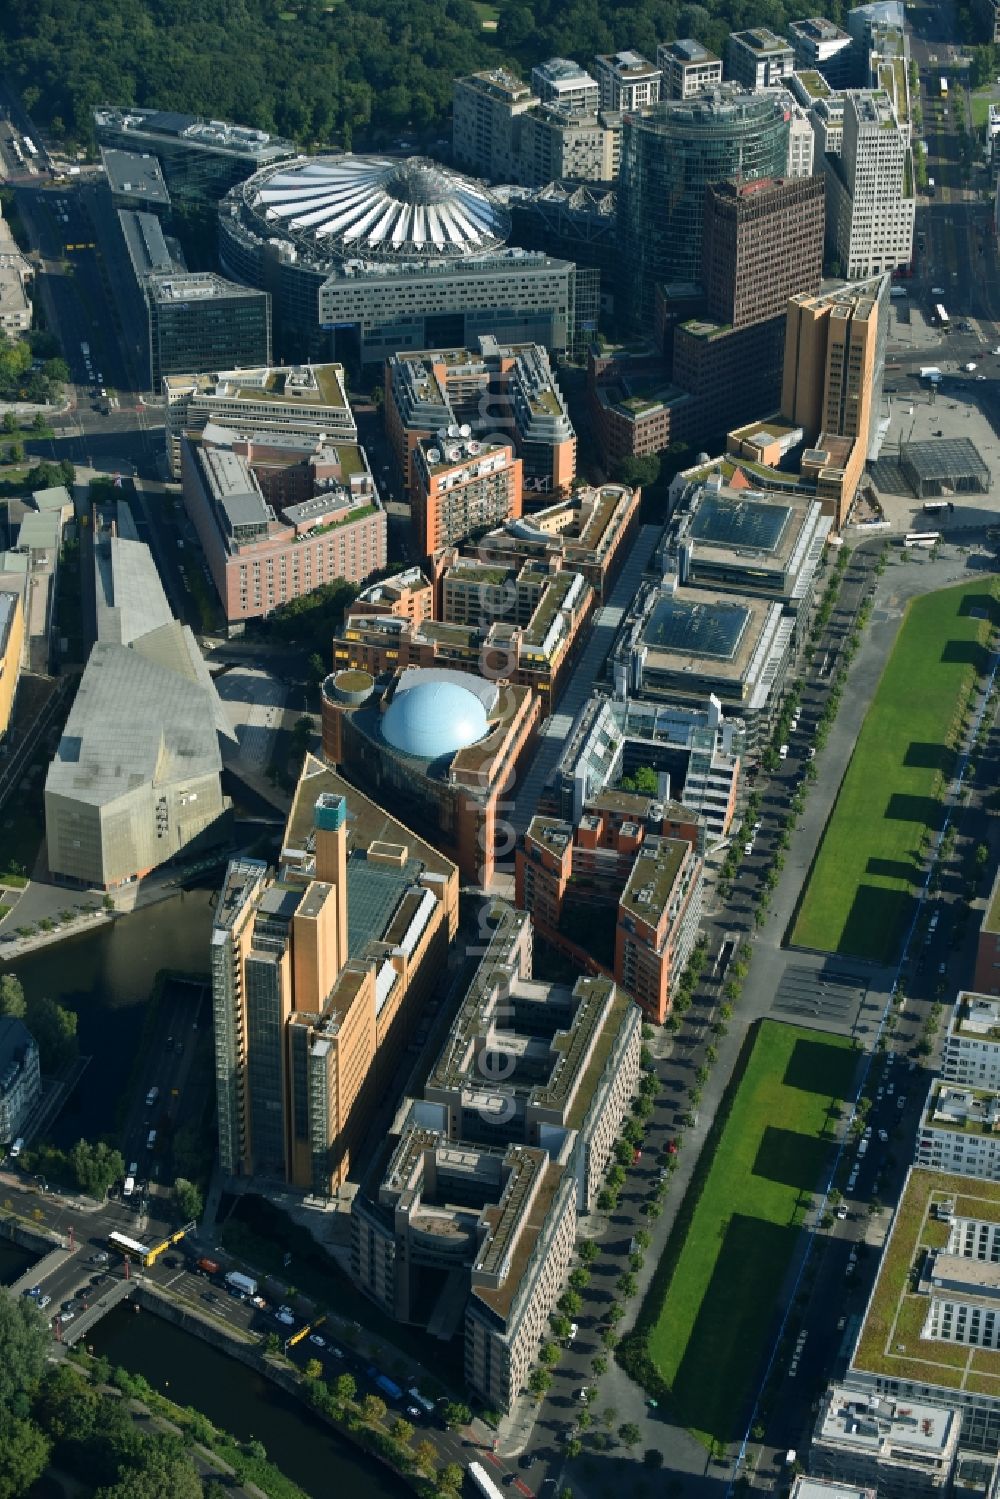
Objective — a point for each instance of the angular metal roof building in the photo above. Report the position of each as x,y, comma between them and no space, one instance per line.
403,252
370,205
136,777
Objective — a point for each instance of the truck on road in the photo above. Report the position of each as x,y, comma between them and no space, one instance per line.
384,1383
241,1282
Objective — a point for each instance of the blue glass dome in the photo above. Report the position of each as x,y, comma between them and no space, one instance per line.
432,719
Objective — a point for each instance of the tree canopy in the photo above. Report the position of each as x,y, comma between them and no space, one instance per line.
315,71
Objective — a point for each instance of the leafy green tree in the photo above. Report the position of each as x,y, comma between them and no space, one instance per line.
579,1278
644,780
425,1456
629,1433
24,1338
24,1452
345,1387
638,472
373,1409
188,1199
451,1477
539,1382
313,1369
163,1468
96,1167
54,1028
588,1251
570,1302
11,997
455,1413
402,1431
560,1325
549,1354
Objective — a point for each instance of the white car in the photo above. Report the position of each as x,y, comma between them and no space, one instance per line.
316,1340
883,1135
747,849
285,1318
842,1212
574,1328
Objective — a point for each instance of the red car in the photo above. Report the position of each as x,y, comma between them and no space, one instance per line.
636,1157
672,1147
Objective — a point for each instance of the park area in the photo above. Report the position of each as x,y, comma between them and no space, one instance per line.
716,1294
871,861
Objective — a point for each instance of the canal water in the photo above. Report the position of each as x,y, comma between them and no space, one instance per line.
106,975
14,1261
243,1402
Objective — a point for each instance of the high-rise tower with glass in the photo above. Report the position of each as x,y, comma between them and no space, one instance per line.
671,153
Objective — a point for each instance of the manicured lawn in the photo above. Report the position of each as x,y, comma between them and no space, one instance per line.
725,1263
981,106
860,890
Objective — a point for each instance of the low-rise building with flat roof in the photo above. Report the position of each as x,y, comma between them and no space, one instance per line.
302,400
901,1449
20,1077
263,551
135,180
494,391
406,595
748,542
587,533
523,626
627,80
681,645
758,58
686,67
987,975
443,746
471,1214
807,1487
620,892
695,751
200,159
971,1053
960,1130
561,81
11,653
931,1336
824,46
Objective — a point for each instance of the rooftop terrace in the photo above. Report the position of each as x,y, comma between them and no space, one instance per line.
891,1344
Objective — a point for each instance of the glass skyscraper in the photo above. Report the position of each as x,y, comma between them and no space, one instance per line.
671,152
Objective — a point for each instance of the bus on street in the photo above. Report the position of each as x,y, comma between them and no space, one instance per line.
925,539
941,316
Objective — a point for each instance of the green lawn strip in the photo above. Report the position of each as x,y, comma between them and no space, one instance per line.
703,1326
981,106
869,862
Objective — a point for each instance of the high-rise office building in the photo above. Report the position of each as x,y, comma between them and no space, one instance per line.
832,383
759,59
686,67
763,242
200,159
200,321
627,80
319,970
486,122
870,188
670,155
567,84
